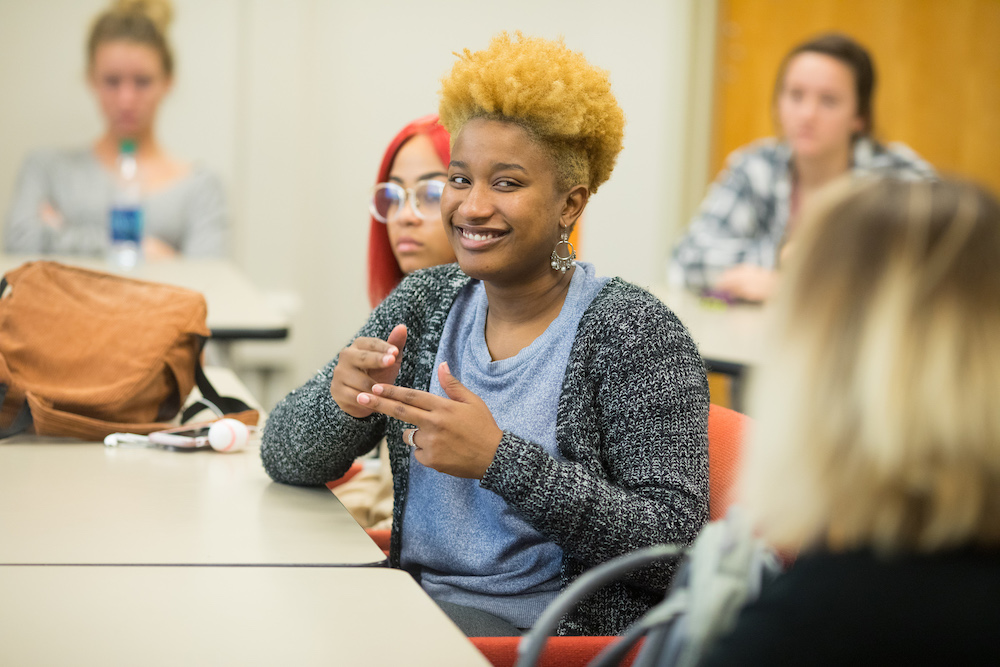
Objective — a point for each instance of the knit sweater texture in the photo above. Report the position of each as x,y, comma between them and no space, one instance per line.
631,427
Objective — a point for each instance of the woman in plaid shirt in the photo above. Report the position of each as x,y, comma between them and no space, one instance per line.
823,103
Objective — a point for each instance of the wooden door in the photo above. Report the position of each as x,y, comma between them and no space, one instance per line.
937,65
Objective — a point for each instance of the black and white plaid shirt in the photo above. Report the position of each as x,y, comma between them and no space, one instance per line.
743,218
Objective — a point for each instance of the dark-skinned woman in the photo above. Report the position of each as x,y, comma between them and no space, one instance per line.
540,419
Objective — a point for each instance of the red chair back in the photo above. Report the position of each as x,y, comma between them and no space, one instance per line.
726,432
380,537
355,468
558,652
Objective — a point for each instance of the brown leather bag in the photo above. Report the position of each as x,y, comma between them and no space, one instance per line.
85,353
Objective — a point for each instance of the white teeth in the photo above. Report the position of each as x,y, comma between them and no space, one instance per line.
476,237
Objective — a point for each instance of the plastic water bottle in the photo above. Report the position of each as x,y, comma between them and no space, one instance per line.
126,211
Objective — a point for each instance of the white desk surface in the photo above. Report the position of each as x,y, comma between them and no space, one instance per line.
68,502
236,308
223,616
732,334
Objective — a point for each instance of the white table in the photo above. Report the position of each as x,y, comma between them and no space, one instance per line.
237,310
724,333
84,503
730,338
223,616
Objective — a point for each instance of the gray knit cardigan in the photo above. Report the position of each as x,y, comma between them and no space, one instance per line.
632,428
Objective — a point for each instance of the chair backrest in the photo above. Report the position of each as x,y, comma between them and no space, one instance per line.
558,652
726,431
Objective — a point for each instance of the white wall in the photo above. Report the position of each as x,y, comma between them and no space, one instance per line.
293,102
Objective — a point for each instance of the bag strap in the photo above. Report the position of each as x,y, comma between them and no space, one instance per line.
210,396
22,420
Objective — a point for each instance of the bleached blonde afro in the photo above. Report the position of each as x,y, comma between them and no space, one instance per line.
552,92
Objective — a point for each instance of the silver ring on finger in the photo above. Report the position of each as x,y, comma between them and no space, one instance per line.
409,437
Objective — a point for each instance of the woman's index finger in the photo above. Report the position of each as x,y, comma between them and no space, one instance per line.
368,344
422,400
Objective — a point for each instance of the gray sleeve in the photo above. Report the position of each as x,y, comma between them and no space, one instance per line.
641,422
308,439
24,231
207,228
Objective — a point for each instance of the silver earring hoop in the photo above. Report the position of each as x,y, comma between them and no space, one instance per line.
409,437
567,261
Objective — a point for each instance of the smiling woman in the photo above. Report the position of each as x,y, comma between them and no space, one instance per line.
540,419
62,197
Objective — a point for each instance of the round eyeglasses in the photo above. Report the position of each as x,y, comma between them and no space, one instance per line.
388,199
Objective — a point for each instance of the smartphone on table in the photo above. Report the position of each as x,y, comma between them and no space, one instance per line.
188,438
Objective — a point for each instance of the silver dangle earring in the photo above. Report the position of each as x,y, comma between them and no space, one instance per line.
569,260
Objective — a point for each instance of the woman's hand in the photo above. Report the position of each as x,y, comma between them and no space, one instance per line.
51,216
155,250
748,282
366,362
456,435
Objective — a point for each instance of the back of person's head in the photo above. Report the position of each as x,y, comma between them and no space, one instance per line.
384,272
553,93
877,417
850,53
138,21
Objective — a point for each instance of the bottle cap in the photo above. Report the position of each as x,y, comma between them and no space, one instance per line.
127,146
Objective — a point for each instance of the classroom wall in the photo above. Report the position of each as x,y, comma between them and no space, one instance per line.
293,101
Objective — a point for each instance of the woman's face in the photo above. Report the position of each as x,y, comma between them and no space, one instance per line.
417,242
501,207
129,81
818,106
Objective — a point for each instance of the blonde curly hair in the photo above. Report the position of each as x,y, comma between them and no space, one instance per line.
552,92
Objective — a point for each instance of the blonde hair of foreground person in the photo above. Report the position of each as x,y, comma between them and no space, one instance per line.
877,417
574,115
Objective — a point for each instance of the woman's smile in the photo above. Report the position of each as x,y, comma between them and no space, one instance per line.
479,238
501,205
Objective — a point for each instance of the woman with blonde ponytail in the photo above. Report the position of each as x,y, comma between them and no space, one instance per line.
62,197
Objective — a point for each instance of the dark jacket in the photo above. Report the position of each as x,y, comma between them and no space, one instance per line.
857,608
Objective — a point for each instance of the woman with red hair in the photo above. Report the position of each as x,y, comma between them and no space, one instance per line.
406,232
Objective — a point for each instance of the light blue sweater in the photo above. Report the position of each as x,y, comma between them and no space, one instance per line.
498,563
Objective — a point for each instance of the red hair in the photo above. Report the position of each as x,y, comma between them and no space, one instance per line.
383,269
